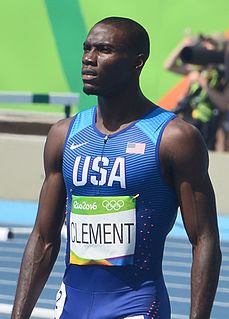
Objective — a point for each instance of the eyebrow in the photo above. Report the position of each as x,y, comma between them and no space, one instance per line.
104,43
98,43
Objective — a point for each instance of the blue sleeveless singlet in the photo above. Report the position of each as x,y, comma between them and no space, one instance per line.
115,167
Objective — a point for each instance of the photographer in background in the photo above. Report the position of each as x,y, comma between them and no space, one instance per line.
207,99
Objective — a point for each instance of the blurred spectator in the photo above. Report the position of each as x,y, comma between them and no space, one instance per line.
206,103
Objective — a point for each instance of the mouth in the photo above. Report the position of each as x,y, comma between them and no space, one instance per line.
88,74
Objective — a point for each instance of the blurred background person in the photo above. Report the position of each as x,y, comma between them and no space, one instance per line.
205,104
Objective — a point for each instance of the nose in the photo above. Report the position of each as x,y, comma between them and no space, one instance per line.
89,57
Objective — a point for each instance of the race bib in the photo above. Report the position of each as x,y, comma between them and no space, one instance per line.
102,230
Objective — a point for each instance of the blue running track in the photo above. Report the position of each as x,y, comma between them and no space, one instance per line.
177,263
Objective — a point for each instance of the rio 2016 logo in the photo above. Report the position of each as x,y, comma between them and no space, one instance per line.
113,204
84,205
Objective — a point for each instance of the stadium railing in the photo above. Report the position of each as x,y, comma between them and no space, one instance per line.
66,99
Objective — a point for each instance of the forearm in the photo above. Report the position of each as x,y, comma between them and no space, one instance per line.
204,278
36,266
172,64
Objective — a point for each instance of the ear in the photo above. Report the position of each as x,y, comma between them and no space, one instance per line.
139,61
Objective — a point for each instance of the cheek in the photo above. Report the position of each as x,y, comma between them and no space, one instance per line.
113,69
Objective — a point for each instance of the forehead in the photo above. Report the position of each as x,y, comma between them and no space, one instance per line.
106,33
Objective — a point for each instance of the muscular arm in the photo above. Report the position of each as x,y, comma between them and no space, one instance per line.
44,242
183,148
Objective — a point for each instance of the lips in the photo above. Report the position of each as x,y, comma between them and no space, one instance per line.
88,74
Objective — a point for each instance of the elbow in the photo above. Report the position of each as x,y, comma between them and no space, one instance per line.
208,247
49,252
45,247
52,247
215,251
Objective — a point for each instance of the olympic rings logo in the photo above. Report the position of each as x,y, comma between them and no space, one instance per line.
113,204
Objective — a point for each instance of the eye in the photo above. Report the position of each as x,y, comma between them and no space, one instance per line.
105,49
86,48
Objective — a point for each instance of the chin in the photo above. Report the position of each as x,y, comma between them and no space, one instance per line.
103,92
90,91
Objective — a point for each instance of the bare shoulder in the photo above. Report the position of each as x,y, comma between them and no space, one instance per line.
58,132
54,146
60,128
183,147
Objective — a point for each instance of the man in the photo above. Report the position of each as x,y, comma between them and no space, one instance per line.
206,101
121,168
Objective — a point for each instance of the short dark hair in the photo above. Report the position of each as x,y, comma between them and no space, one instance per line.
138,36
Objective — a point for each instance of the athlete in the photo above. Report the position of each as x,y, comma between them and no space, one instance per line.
117,174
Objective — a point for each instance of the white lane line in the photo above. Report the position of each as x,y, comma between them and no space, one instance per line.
223,278
14,283
224,268
12,250
187,300
169,285
10,259
22,230
37,312
175,316
187,265
41,300
177,254
187,246
177,263
176,273
187,275
179,299
16,271
17,241
172,285
181,245
186,255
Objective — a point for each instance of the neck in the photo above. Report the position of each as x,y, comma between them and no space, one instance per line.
117,112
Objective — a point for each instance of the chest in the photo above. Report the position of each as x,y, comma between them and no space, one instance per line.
119,162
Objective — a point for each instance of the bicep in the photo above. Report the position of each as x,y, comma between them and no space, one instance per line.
51,208
198,209
52,200
193,185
